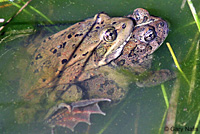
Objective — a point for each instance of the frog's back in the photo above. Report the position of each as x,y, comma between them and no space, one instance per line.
61,58
51,55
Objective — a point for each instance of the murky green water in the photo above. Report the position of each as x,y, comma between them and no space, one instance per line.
142,111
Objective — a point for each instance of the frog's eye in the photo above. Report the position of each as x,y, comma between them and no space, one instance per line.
110,34
149,35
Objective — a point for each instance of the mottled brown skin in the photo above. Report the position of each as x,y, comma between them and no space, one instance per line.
81,62
63,57
148,34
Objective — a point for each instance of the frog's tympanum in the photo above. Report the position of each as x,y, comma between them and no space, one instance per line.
74,69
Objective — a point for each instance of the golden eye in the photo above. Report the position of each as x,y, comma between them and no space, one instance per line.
149,35
110,34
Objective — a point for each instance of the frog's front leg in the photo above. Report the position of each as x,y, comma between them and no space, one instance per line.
154,78
108,84
140,65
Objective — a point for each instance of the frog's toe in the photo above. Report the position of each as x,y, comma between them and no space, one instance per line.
70,115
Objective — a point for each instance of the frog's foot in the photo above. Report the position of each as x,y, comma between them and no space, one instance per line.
70,115
156,78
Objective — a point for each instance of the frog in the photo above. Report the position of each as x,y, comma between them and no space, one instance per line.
73,70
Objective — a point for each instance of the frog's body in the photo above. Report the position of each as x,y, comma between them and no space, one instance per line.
81,61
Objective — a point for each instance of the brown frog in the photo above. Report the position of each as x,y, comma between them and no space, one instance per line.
80,64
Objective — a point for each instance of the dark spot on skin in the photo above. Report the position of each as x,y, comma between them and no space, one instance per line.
58,54
107,82
74,55
132,53
48,62
95,31
76,77
39,56
64,61
96,41
102,22
74,45
101,90
63,34
149,47
124,26
97,27
53,50
135,61
161,24
69,36
64,44
85,54
36,71
110,92
60,72
32,63
43,80
49,38
44,40
158,40
78,35
121,62
59,76
114,23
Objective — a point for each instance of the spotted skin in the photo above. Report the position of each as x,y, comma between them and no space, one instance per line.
82,61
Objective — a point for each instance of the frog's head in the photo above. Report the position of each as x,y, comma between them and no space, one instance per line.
113,33
146,38
149,32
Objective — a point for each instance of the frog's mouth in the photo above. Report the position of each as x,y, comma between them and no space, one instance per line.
111,55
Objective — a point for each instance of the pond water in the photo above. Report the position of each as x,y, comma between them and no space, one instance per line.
143,109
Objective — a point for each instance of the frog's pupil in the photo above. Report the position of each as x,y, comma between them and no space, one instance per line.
149,35
110,35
